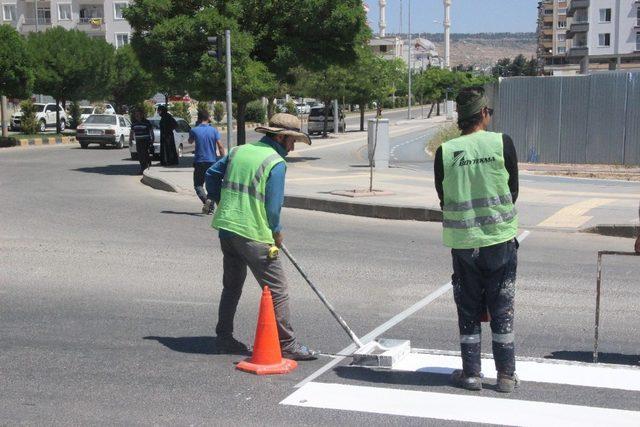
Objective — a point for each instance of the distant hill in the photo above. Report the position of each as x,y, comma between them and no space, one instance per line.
483,50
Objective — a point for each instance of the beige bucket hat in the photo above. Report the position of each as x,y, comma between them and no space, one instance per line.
285,124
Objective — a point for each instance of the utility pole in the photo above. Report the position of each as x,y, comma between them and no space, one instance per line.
447,34
410,66
36,6
227,37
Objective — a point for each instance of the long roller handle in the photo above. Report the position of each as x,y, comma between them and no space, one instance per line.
324,300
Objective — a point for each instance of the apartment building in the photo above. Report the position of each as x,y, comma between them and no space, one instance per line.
101,19
604,34
552,36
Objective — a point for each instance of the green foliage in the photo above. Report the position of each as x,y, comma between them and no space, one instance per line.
149,108
372,78
16,73
290,108
130,83
446,133
218,112
256,112
181,109
74,115
28,123
436,84
505,67
203,107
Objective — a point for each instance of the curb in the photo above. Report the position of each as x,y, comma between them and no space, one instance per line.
614,230
410,213
27,142
158,183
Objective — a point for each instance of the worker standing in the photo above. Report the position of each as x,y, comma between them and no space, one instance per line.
637,246
142,134
476,177
248,187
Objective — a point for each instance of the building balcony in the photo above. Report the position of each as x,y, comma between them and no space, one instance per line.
577,28
29,24
576,5
91,25
578,51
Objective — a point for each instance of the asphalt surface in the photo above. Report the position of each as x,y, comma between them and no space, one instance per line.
109,294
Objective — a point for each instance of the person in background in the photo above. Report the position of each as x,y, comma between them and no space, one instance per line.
142,133
168,152
207,139
637,247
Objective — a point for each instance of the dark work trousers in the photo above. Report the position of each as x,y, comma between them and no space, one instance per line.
199,170
238,254
486,278
144,154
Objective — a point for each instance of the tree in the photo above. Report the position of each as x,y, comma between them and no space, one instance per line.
130,84
16,74
505,67
269,37
371,78
70,65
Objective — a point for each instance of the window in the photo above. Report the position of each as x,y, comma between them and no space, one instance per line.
562,49
122,122
383,49
604,39
638,16
548,11
562,24
118,8
605,15
562,11
122,39
44,15
638,41
64,11
562,37
50,109
9,12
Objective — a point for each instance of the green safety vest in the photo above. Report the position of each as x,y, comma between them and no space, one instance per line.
242,202
478,209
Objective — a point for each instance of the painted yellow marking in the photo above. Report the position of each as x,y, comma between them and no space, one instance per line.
573,216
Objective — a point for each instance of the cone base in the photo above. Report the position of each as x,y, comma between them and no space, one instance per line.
284,367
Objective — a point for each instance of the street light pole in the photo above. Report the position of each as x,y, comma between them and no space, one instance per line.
410,70
36,6
227,36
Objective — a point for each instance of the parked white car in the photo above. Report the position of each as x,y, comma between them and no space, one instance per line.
45,117
303,108
87,110
180,135
104,129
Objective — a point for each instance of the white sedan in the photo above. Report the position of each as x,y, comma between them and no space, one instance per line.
104,129
180,135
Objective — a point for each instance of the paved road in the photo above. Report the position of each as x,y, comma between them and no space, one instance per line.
109,290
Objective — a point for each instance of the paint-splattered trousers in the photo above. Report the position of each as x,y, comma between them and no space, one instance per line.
486,278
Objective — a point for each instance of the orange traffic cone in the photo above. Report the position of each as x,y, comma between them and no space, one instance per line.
267,358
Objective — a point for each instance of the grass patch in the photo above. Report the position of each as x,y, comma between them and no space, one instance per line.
446,133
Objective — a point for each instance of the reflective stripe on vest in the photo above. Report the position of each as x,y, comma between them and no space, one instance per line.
478,209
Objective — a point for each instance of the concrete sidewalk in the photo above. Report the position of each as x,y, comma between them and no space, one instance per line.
339,163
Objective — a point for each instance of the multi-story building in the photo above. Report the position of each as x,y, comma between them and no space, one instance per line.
604,34
552,35
97,18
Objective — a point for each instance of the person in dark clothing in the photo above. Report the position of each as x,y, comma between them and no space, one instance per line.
168,153
637,246
142,133
207,139
476,178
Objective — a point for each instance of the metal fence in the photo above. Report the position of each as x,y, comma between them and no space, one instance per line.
578,119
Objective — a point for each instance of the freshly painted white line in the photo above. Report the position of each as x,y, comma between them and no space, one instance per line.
586,375
162,301
388,325
456,407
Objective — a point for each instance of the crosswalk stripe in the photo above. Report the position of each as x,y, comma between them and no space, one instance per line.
577,374
455,407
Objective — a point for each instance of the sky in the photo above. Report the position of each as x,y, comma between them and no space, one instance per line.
467,16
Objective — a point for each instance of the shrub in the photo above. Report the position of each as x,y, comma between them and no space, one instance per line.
149,109
218,112
290,108
74,115
387,103
444,134
181,109
256,112
203,106
28,124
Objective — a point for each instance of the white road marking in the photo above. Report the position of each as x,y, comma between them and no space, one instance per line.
540,371
388,325
478,409
162,301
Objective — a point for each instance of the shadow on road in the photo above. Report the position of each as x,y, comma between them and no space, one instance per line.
392,377
193,345
587,356
301,159
128,169
183,213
